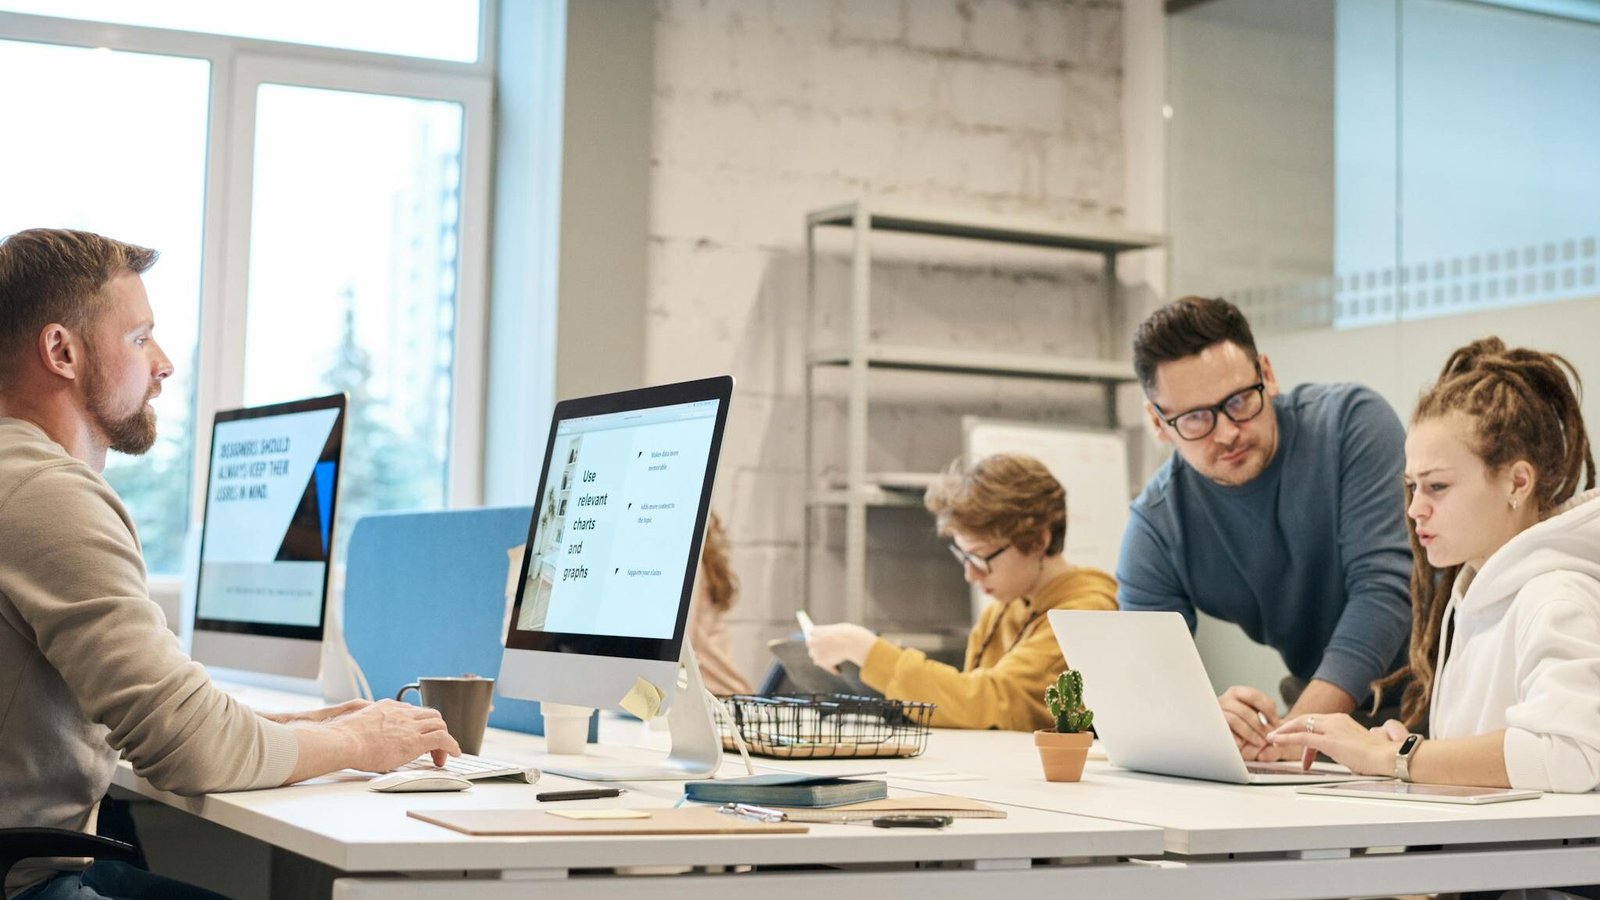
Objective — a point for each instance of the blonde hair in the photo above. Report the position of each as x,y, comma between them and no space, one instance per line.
1522,405
1006,496
717,576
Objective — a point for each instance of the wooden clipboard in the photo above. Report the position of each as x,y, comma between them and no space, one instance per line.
689,820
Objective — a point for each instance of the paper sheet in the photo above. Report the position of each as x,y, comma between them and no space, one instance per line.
599,813
642,700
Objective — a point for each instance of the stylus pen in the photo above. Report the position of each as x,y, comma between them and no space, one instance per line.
589,794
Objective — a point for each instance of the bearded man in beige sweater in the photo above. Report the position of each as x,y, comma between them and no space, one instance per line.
88,667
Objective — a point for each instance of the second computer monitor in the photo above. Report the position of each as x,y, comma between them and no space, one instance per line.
267,538
614,544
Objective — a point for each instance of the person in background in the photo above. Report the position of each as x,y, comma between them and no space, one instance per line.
1006,517
1505,589
1279,512
88,668
715,588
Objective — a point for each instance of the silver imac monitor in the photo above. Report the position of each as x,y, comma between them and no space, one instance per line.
266,540
613,549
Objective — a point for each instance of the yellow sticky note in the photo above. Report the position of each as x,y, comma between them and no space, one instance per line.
599,813
642,700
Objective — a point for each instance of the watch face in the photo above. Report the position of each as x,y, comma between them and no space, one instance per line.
1409,744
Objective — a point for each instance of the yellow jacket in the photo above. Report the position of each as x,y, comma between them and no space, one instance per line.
1002,684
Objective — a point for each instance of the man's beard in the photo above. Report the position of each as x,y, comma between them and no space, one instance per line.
132,434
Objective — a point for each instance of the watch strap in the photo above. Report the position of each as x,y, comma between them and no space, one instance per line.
1402,757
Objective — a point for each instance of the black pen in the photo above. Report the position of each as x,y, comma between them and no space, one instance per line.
588,794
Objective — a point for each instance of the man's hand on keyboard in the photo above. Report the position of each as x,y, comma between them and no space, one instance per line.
389,734
375,737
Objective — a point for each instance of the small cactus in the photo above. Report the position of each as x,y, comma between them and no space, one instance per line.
1065,699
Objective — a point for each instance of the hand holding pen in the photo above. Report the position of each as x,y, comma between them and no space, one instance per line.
1250,715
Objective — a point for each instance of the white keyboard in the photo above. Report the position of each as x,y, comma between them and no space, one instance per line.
473,768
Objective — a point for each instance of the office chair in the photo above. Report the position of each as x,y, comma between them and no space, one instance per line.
17,844
424,594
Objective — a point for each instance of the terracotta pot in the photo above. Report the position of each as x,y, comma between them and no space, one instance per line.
1062,755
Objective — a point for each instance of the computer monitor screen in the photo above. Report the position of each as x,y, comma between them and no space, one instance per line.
267,537
614,543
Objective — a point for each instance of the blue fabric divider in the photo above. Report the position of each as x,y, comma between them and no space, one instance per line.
425,595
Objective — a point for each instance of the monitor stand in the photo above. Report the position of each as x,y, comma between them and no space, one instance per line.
696,748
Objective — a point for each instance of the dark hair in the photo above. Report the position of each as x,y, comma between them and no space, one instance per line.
1007,496
1523,405
55,275
1185,327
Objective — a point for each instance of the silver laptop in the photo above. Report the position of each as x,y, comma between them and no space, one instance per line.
1153,705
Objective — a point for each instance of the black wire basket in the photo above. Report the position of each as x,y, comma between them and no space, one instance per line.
826,726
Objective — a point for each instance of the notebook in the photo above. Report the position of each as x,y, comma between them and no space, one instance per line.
786,789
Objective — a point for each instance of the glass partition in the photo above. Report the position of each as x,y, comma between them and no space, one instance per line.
1378,181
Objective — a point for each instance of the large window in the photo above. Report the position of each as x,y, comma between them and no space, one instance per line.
94,172
313,208
438,29
362,302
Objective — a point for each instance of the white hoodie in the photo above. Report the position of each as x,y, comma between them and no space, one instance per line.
1526,652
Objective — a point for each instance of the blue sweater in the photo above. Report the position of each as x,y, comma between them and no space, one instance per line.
1310,558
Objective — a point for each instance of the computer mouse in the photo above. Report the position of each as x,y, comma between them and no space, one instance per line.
404,782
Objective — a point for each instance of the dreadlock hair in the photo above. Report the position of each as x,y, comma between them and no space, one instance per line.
1521,405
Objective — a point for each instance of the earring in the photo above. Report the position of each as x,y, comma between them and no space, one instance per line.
1513,504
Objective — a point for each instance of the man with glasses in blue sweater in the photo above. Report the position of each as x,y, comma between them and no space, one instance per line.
1281,512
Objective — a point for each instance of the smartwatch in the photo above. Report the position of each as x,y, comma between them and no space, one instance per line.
1402,757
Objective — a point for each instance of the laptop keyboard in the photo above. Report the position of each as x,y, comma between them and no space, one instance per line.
1274,768
473,768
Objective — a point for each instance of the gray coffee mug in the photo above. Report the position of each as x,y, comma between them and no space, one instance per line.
464,702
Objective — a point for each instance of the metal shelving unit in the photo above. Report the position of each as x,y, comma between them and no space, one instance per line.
860,354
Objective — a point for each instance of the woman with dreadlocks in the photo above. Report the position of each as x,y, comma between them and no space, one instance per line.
1505,587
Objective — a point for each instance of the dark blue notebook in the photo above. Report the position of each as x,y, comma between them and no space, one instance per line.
787,789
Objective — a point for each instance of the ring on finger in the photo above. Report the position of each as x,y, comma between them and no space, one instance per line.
1311,724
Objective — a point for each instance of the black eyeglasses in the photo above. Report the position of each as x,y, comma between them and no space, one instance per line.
1239,407
981,563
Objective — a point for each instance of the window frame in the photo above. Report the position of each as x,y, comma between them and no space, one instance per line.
237,66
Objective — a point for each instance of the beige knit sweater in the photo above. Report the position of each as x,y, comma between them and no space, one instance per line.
88,667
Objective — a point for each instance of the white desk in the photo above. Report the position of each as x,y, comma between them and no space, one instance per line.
1252,841
337,822
1114,834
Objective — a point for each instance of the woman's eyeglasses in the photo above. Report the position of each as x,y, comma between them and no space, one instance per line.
976,560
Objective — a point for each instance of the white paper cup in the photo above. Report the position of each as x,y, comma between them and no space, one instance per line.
566,727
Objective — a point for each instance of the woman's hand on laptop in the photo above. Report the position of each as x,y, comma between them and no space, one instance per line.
1362,750
1250,714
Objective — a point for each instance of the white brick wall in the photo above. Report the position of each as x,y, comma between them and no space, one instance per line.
765,109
